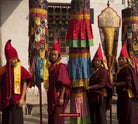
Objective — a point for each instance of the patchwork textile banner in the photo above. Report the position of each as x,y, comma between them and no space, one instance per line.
79,40
38,41
109,23
130,33
79,66
80,30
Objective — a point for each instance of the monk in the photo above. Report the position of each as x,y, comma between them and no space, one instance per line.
13,85
99,90
127,90
59,87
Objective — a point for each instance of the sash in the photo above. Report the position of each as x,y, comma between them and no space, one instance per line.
17,78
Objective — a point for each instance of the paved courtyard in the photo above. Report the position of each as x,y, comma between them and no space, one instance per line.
34,116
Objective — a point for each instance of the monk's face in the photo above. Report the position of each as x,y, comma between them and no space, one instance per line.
54,55
122,61
97,62
14,62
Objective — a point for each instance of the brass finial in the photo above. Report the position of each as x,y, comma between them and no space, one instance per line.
108,4
129,3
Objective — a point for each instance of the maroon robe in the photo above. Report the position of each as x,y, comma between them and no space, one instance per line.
7,90
97,102
57,78
126,107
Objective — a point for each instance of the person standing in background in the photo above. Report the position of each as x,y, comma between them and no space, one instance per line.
14,81
59,87
127,90
99,90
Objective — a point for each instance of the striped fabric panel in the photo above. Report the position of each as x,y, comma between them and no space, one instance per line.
83,120
80,16
80,33
73,50
73,12
130,20
80,43
80,82
79,68
79,55
79,105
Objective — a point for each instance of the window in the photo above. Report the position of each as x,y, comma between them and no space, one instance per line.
51,39
62,39
58,19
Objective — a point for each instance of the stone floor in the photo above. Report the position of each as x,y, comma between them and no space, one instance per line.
34,116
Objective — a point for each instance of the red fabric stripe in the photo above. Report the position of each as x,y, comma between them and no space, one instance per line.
78,50
80,29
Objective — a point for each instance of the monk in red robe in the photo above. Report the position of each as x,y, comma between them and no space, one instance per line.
127,90
59,87
13,85
99,90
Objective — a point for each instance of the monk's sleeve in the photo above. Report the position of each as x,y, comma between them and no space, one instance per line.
63,77
103,78
128,78
105,81
25,76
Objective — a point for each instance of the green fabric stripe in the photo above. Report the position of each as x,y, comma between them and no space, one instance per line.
80,43
82,120
41,68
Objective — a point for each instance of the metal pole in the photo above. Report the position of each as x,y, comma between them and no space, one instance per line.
111,115
40,95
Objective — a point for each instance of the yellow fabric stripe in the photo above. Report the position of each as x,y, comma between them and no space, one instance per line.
80,82
37,10
76,95
135,18
130,93
17,78
105,92
80,55
42,53
80,16
121,67
46,75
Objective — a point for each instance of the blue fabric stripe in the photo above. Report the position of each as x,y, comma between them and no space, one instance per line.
79,68
37,71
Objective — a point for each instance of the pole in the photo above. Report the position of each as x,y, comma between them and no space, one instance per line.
40,96
129,3
111,115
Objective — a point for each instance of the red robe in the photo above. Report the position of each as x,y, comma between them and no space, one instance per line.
98,103
100,77
7,90
126,107
57,78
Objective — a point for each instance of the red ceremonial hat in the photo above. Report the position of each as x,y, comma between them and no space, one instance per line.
10,52
124,52
99,54
56,46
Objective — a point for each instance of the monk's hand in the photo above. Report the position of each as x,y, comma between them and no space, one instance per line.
21,102
87,88
114,84
60,101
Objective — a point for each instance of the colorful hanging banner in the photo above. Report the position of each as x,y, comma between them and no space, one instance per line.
109,22
80,29
38,40
130,33
79,39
